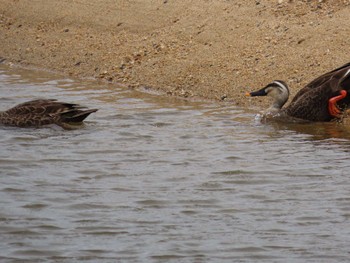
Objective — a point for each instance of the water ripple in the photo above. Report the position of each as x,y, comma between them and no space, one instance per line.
154,179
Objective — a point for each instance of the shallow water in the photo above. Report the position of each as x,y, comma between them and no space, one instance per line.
154,179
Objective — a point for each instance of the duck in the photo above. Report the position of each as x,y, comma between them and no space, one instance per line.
42,112
323,99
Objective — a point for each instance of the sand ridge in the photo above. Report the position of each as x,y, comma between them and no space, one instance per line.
210,49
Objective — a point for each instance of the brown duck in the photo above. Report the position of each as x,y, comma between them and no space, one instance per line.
37,113
323,99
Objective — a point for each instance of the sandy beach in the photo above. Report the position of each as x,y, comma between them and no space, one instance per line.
208,49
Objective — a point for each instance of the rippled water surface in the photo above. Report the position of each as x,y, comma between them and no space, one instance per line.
154,179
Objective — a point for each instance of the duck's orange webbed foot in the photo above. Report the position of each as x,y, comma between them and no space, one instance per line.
332,104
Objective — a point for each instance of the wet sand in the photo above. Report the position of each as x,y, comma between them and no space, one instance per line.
194,49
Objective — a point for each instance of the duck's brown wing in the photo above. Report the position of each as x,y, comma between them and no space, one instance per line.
336,73
333,77
311,105
41,107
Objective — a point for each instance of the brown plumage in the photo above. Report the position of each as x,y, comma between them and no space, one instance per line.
312,100
37,113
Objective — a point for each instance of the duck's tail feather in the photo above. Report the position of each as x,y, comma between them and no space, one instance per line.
76,116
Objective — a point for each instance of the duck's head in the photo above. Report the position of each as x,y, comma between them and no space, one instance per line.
277,89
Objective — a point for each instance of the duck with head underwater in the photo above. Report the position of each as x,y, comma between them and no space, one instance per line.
42,112
323,99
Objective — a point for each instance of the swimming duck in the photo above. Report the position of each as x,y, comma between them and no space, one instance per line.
37,113
323,99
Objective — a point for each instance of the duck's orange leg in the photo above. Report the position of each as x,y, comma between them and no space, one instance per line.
332,104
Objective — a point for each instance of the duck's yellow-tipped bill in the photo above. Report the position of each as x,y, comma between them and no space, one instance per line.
247,94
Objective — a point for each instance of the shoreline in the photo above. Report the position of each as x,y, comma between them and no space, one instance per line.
216,50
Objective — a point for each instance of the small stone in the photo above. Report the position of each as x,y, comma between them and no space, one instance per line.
224,97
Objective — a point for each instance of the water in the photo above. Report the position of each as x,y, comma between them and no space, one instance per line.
156,179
